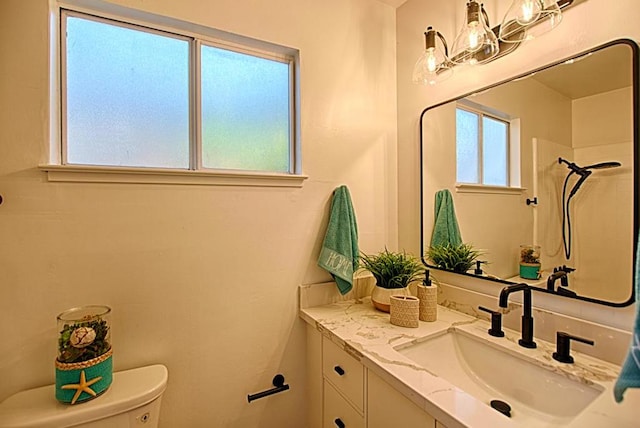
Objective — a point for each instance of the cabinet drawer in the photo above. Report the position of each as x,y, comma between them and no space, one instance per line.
338,413
344,372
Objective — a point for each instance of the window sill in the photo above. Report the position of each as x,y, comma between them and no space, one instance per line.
480,188
101,174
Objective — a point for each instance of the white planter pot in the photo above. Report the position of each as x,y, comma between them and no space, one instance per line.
380,297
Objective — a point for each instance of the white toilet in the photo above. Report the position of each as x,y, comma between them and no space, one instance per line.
132,400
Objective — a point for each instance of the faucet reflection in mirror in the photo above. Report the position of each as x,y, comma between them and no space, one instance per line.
478,43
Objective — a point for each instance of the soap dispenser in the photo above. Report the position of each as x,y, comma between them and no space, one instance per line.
428,295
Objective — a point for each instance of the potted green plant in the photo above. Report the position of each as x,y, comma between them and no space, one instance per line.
393,272
456,258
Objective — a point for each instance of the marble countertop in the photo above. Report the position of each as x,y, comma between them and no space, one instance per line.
362,330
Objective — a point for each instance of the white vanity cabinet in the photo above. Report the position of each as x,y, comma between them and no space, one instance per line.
386,407
344,394
344,379
338,412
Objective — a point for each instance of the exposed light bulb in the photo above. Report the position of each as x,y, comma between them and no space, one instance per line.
432,61
433,65
528,19
474,36
527,11
476,42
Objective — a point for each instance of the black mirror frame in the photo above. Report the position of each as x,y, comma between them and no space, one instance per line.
636,169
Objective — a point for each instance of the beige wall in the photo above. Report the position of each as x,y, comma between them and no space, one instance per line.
571,37
611,108
202,279
603,249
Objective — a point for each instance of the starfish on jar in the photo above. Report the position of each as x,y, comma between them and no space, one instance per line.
81,387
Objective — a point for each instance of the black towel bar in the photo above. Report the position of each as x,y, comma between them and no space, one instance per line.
278,383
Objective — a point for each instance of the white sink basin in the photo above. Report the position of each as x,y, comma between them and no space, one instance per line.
538,397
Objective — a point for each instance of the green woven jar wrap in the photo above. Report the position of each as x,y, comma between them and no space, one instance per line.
70,375
529,271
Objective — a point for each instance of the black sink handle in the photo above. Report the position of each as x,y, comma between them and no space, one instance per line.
496,322
563,346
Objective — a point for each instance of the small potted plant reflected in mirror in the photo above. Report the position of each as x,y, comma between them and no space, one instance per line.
456,258
393,272
530,261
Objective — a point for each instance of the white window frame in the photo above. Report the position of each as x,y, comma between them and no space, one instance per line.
512,149
58,170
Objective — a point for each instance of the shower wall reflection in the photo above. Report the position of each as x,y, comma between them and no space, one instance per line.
598,218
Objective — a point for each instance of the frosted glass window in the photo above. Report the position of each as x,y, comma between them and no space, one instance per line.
494,152
482,148
127,96
133,95
467,128
245,111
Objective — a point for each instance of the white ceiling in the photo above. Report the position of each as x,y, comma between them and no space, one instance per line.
593,74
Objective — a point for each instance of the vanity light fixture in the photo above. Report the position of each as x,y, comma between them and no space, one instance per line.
433,66
477,43
528,19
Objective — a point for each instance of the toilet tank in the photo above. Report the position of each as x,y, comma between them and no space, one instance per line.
132,400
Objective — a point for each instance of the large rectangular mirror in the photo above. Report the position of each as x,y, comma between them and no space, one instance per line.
547,160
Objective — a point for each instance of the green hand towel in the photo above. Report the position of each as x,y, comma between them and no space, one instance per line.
339,253
445,225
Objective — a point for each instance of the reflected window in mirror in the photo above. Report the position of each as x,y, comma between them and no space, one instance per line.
487,148
482,147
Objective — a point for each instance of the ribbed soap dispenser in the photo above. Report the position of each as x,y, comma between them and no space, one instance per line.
428,295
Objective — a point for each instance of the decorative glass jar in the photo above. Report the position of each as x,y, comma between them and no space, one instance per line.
84,367
530,261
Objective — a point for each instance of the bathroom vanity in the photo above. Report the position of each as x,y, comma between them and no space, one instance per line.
366,372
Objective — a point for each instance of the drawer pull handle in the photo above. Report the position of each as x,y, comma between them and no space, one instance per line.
339,423
339,370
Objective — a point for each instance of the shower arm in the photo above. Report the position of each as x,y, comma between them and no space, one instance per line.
572,166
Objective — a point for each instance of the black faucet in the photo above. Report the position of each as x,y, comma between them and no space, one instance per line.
562,273
557,274
527,320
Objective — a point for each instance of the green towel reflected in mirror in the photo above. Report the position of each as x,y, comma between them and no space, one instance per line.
445,224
